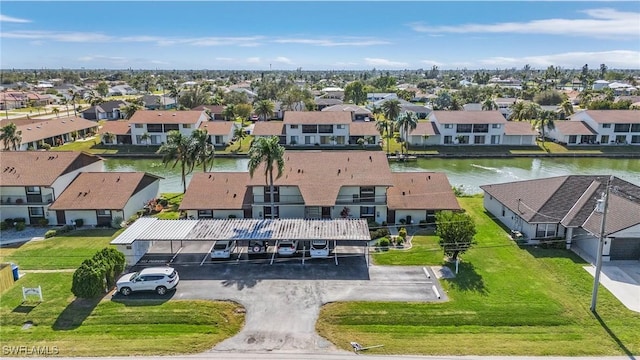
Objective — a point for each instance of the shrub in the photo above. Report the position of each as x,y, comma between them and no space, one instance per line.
79,222
382,232
403,221
20,220
20,226
116,222
3,226
373,224
9,222
50,234
399,241
423,223
43,222
96,275
384,223
384,242
163,202
46,146
232,216
402,233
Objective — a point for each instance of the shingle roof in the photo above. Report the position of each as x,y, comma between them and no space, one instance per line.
218,127
573,128
119,127
102,190
421,190
322,101
165,117
519,128
37,168
215,109
268,128
349,108
107,106
53,127
622,213
425,128
363,128
320,174
217,191
468,117
615,116
317,117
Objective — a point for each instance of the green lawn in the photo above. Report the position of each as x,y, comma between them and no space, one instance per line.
112,328
424,251
66,251
506,301
171,212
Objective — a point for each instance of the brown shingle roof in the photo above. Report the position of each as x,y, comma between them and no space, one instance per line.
320,174
425,128
621,214
38,168
102,190
317,117
573,128
421,190
217,191
165,117
363,128
519,128
268,128
215,109
54,127
615,116
217,127
468,117
348,108
120,127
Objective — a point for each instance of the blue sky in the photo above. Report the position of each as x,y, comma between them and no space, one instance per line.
319,35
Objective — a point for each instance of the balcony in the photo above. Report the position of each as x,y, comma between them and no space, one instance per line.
26,200
356,199
280,199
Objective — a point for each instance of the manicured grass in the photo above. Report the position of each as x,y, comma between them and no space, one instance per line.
66,251
424,251
96,147
506,300
171,212
112,328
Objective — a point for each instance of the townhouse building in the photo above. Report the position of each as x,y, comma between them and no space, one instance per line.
157,124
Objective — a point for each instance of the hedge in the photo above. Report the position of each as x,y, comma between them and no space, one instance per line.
97,275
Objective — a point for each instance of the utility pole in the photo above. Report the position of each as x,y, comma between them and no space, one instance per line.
601,206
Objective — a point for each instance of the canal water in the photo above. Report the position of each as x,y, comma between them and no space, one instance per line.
469,174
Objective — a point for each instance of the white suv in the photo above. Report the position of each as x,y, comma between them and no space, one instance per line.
158,279
287,247
319,248
222,249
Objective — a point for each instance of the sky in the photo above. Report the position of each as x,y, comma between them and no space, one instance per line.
328,35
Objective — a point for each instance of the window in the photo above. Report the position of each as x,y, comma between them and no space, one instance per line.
267,212
186,126
139,126
635,127
479,139
36,212
495,139
293,126
448,126
621,139
606,126
325,129
340,126
635,139
480,128
367,211
464,128
104,212
546,230
448,139
496,126
367,194
309,129
154,128
205,214
309,140
463,139
218,139
170,127
33,190
622,128
294,140
340,140
604,139
267,193
325,140
573,139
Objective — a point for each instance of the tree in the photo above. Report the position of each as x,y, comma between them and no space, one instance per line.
179,150
385,126
11,137
567,107
269,153
94,100
456,231
544,120
194,97
229,112
264,109
442,101
243,111
56,111
354,92
102,88
145,137
407,121
130,109
108,138
548,97
174,91
73,96
489,105
239,134
203,149
391,109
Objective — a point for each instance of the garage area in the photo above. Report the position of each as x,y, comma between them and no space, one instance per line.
625,249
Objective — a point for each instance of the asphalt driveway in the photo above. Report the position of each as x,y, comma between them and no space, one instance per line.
283,300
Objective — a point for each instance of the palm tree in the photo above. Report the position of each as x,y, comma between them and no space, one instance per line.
203,150
543,121
264,109
130,109
65,102
391,109
56,111
174,91
489,105
567,107
73,97
271,153
11,137
517,111
94,100
406,121
108,138
229,112
239,134
145,137
178,149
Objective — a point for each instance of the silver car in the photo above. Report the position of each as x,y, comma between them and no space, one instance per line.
158,279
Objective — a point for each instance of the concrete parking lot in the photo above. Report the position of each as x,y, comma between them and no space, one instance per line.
283,299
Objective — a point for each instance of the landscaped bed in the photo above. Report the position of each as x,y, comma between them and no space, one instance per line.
506,300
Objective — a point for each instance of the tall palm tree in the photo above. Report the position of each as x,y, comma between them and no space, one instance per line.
269,152
229,112
544,120
264,109
406,121
179,150
567,107
11,137
73,96
517,111
174,91
489,105
203,149
94,99
130,109
239,134
391,109
145,137
56,111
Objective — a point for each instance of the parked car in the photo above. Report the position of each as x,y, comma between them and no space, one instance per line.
222,249
257,247
158,279
319,248
287,247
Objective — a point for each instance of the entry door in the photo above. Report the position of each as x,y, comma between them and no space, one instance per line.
326,212
61,218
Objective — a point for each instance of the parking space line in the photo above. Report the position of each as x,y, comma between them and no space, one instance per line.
208,253
174,256
239,253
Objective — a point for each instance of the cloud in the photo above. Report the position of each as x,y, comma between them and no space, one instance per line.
226,59
349,41
284,60
431,62
621,59
599,23
116,60
5,18
253,60
57,36
384,62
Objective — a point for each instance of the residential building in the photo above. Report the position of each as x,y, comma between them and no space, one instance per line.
504,106
121,129
373,97
519,133
109,110
218,195
568,209
157,124
317,127
215,111
55,131
358,113
469,127
612,126
30,181
220,132
322,103
572,133
158,102
98,198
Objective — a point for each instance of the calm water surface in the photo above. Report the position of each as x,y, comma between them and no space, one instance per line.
468,173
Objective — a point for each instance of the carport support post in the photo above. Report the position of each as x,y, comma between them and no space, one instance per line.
304,251
596,280
335,252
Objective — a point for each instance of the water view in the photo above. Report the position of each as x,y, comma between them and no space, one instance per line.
467,173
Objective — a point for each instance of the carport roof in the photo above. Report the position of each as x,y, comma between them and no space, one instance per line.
147,229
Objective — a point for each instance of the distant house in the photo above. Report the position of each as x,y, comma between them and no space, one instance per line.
55,131
421,112
564,209
373,97
158,102
120,90
504,106
322,103
98,198
358,113
572,133
216,111
121,129
109,110
612,126
31,180
220,132
469,127
332,93
157,124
